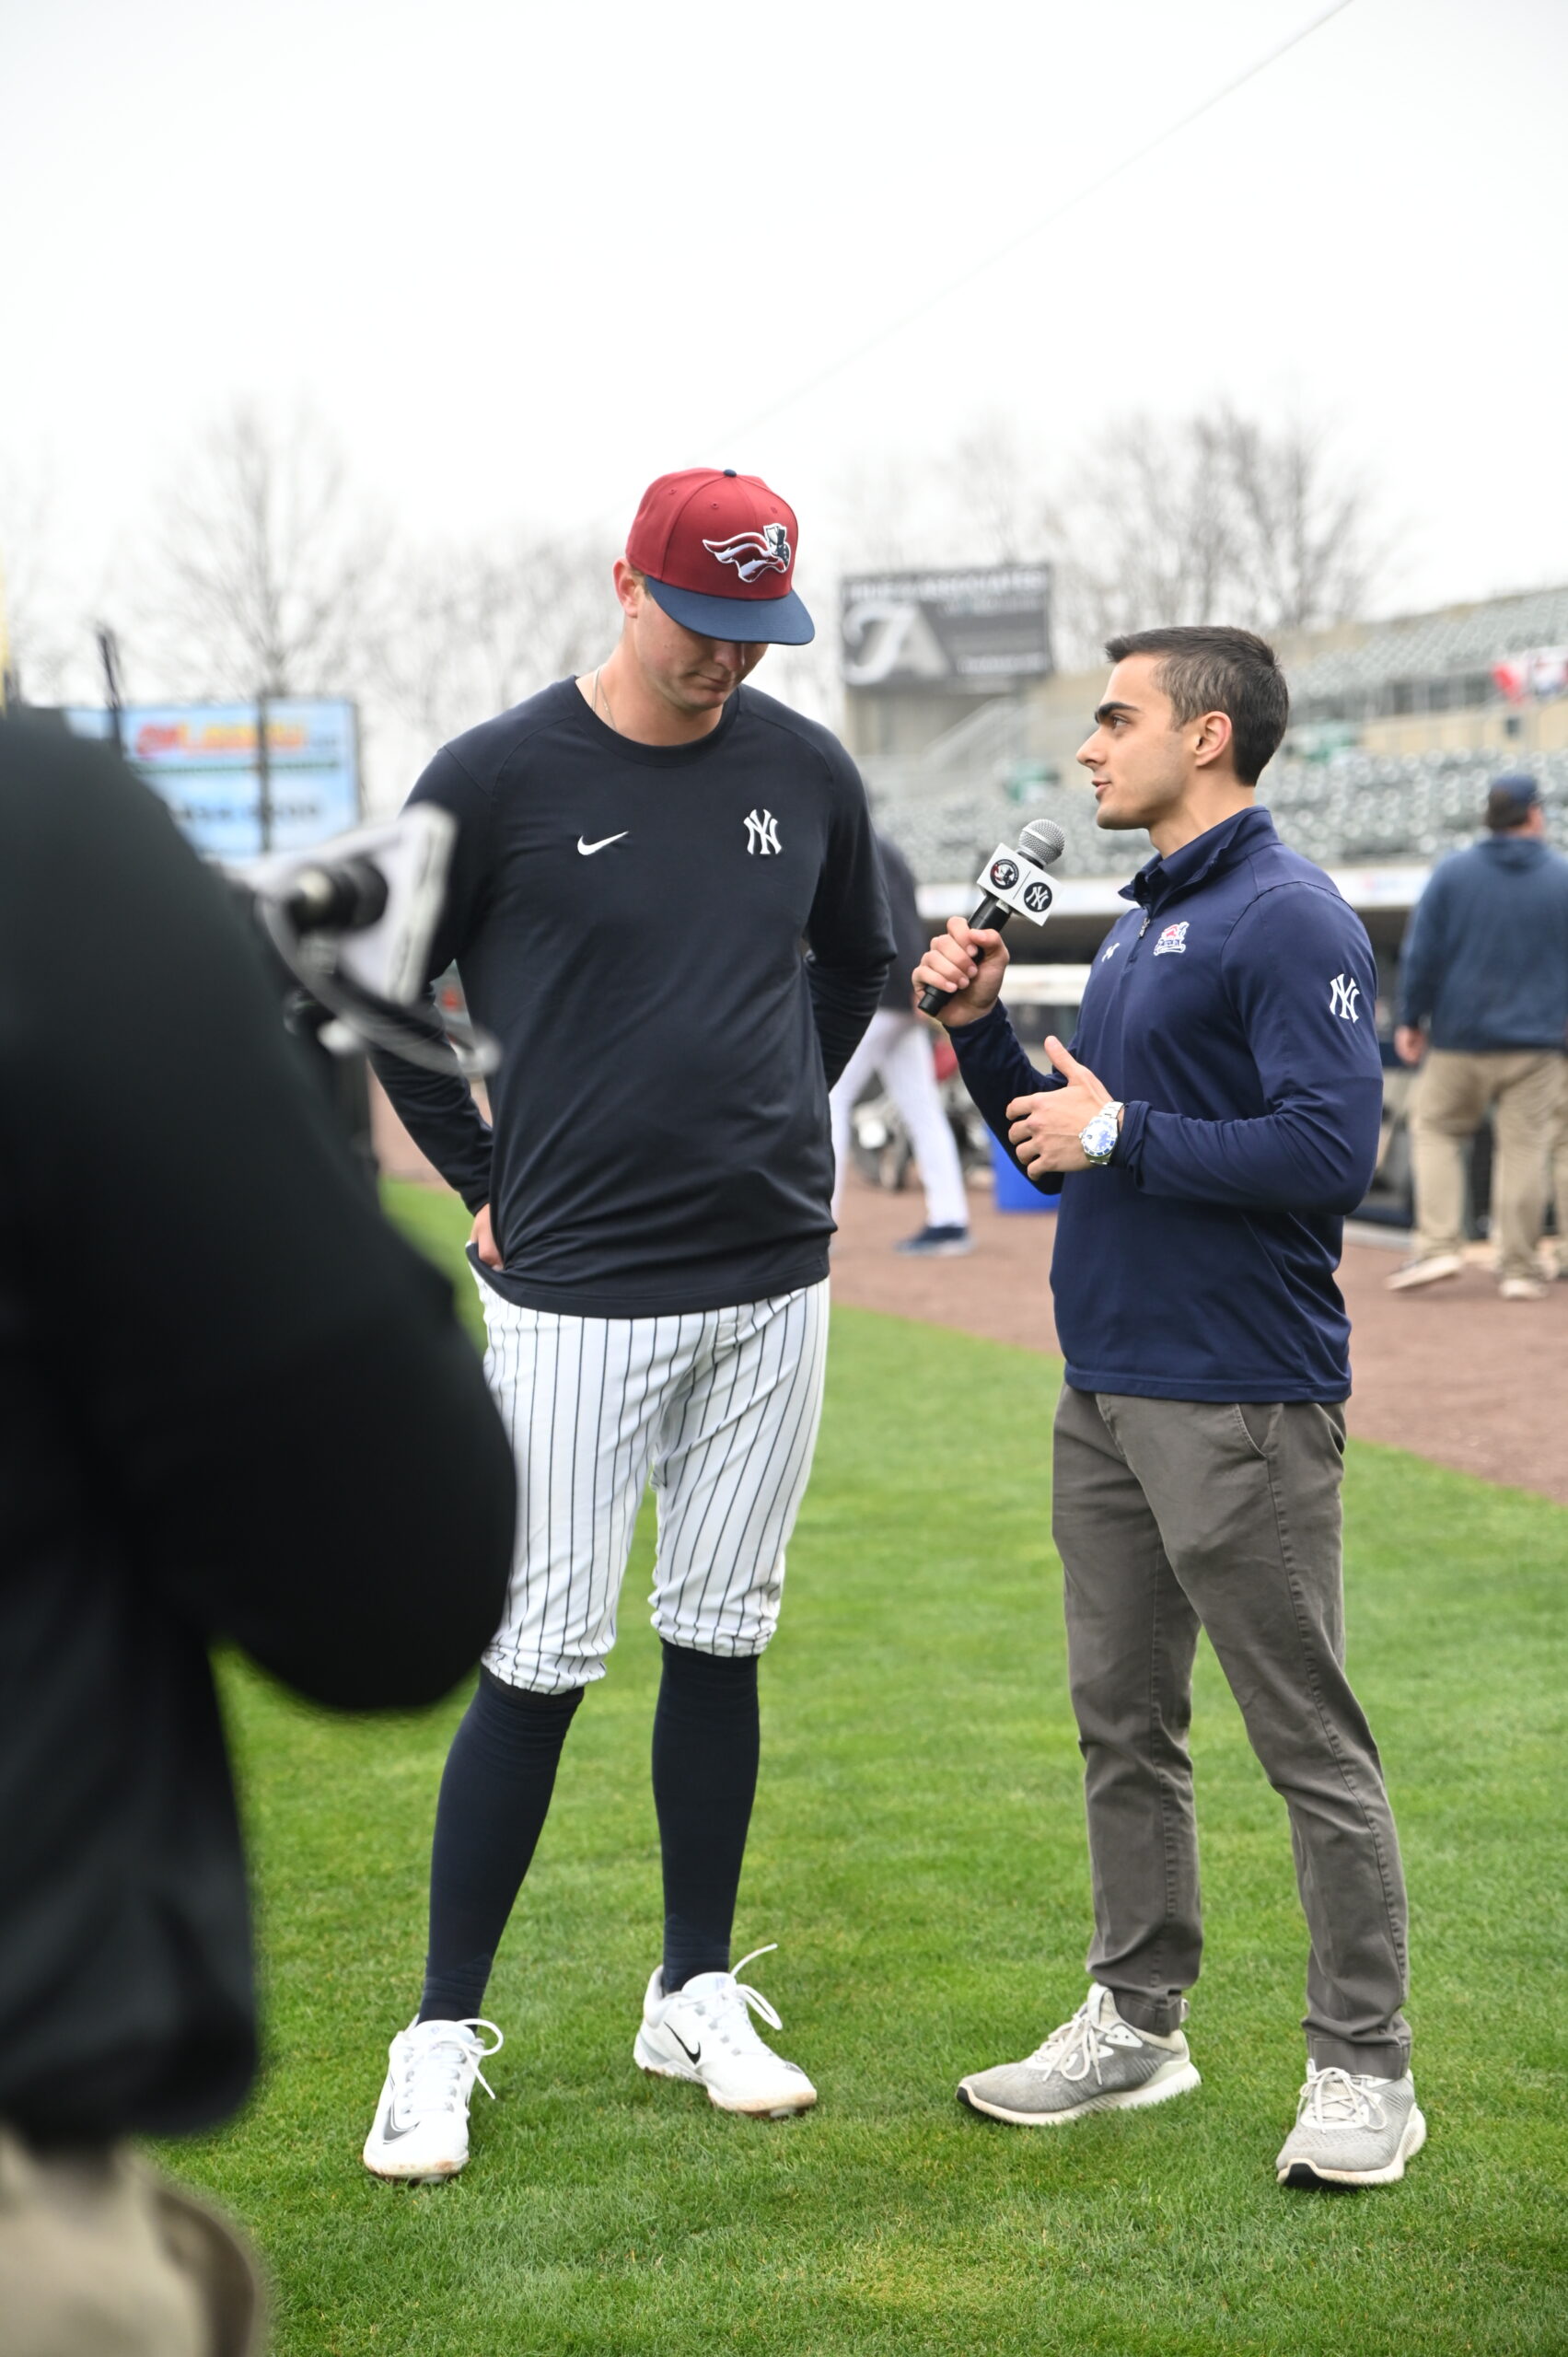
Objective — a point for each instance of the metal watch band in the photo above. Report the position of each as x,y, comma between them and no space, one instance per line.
1107,1114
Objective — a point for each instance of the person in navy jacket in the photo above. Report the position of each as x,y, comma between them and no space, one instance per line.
1212,1122
1483,999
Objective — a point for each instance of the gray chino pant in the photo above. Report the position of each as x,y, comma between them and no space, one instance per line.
1172,1514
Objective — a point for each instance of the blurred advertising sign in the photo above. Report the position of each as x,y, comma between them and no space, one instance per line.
976,632
202,758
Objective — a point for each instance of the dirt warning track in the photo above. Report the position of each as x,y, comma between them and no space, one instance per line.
1454,1373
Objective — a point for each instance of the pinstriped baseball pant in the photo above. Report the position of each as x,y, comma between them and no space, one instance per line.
718,1407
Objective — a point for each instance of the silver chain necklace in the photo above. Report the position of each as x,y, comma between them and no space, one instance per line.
607,714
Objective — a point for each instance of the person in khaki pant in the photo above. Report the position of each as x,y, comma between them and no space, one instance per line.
1453,1095
1558,1170
1484,997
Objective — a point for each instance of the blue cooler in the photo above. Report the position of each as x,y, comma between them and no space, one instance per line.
1014,1192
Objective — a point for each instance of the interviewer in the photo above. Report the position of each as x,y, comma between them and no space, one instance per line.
234,1409
1217,1117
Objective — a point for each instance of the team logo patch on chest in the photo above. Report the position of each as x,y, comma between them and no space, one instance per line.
1172,941
763,833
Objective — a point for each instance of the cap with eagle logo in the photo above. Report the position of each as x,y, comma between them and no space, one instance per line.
717,550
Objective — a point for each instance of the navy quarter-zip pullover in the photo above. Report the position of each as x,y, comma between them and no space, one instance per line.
1232,1011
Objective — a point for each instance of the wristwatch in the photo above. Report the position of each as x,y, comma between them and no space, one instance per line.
1099,1135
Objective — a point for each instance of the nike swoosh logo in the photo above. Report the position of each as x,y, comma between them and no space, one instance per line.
589,850
692,2053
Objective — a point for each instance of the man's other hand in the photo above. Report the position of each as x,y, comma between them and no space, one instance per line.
1043,1131
968,966
1410,1044
482,1236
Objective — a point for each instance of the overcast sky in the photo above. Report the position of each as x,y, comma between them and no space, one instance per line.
523,258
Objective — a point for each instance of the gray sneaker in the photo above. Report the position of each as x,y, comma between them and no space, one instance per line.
1351,2129
1095,2062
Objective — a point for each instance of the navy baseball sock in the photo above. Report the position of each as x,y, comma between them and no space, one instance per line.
705,1745
495,1792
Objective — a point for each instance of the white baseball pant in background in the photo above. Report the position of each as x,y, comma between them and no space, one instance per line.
720,1406
899,1046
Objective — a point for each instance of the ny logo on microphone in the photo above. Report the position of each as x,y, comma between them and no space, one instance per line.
761,834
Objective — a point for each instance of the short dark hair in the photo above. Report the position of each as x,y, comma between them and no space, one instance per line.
1207,669
1510,801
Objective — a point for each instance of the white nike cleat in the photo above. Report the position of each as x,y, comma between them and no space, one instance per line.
703,2033
421,2129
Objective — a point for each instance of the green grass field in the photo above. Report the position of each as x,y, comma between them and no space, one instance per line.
918,1853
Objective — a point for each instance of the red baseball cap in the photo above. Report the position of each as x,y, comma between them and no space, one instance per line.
717,550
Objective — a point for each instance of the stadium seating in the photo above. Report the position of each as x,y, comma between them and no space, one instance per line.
950,804
1349,807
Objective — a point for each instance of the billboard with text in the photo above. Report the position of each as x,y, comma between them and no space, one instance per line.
200,758
981,632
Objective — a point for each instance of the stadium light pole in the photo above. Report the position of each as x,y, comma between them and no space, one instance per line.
263,775
114,693
10,693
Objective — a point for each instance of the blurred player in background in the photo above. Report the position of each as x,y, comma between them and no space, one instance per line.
641,853
236,1408
1483,998
1217,1117
898,1046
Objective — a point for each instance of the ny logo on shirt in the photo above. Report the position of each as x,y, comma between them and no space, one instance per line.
1343,996
762,834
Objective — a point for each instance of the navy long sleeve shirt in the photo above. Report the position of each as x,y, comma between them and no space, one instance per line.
631,922
1232,1011
1485,960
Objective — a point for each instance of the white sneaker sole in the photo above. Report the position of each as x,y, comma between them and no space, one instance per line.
659,2066
432,2172
1159,2089
1308,2172
1423,1273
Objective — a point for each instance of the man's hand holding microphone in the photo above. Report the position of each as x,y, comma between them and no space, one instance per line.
961,977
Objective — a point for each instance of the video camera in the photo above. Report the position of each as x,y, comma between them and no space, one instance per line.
351,922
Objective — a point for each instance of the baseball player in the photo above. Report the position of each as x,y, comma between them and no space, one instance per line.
642,855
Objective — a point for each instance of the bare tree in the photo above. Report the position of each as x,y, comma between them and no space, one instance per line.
43,654
882,517
999,508
1304,526
267,579
476,628
983,500
1215,518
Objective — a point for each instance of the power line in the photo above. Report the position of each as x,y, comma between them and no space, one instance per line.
928,303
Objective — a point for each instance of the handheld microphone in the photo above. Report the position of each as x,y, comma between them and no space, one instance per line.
1012,883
